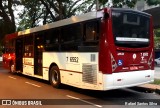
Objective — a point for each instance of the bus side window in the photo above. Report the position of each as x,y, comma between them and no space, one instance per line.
71,37
28,48
91,33
52,40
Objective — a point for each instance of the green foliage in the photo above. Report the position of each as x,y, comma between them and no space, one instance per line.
30,15
152,2
156,81
7,18
120,3
157,32
157,42
157,38
103,2
40,12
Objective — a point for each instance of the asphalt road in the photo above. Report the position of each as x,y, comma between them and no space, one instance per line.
27,89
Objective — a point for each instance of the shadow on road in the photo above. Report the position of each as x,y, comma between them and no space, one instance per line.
114,94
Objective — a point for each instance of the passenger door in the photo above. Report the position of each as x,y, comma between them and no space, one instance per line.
19,54
38,48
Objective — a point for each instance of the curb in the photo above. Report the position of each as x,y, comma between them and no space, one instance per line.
150,88
157,91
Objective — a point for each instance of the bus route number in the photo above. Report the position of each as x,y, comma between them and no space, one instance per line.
72,59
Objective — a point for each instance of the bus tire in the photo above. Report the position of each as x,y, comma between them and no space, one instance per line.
54,77
12,68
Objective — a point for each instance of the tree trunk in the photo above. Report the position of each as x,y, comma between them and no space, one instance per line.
8,18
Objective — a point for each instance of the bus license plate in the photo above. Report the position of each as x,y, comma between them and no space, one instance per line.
133,68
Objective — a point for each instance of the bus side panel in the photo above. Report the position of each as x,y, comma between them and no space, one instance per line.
127,79
76,69
28,66
51,57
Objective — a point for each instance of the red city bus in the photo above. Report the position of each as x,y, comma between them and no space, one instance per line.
9,51
107,49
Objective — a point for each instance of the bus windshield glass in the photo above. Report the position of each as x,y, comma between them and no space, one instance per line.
130,29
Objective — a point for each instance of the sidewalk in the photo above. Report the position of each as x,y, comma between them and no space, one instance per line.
157,72
151,87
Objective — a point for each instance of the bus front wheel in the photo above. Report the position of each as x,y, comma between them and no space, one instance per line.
54,77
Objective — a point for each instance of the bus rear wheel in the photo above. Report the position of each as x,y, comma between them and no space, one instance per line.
54,77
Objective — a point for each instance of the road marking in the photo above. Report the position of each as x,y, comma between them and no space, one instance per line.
32,84
12,77
96,105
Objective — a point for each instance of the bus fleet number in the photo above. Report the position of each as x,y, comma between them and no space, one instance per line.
72,59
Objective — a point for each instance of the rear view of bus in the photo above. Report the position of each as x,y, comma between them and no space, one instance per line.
126,49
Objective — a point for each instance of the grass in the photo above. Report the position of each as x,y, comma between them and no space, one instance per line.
156,81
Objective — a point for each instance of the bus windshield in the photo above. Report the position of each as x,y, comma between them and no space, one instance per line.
130,29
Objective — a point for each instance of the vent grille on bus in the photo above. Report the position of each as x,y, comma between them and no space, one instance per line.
89,73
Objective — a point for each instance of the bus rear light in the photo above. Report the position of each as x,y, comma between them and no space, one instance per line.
113,63
150,59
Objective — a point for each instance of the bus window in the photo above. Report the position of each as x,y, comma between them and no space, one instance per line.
130,29
91,33
9,50
28,48
71,37
52,40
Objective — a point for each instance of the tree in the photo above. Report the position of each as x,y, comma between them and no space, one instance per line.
7,19
61,9
40,12
157,38
118,3
152,2
30,15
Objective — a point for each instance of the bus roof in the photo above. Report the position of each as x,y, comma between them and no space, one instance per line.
72,20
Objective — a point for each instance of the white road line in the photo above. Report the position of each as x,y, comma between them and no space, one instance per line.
96,105
12,77
32,84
